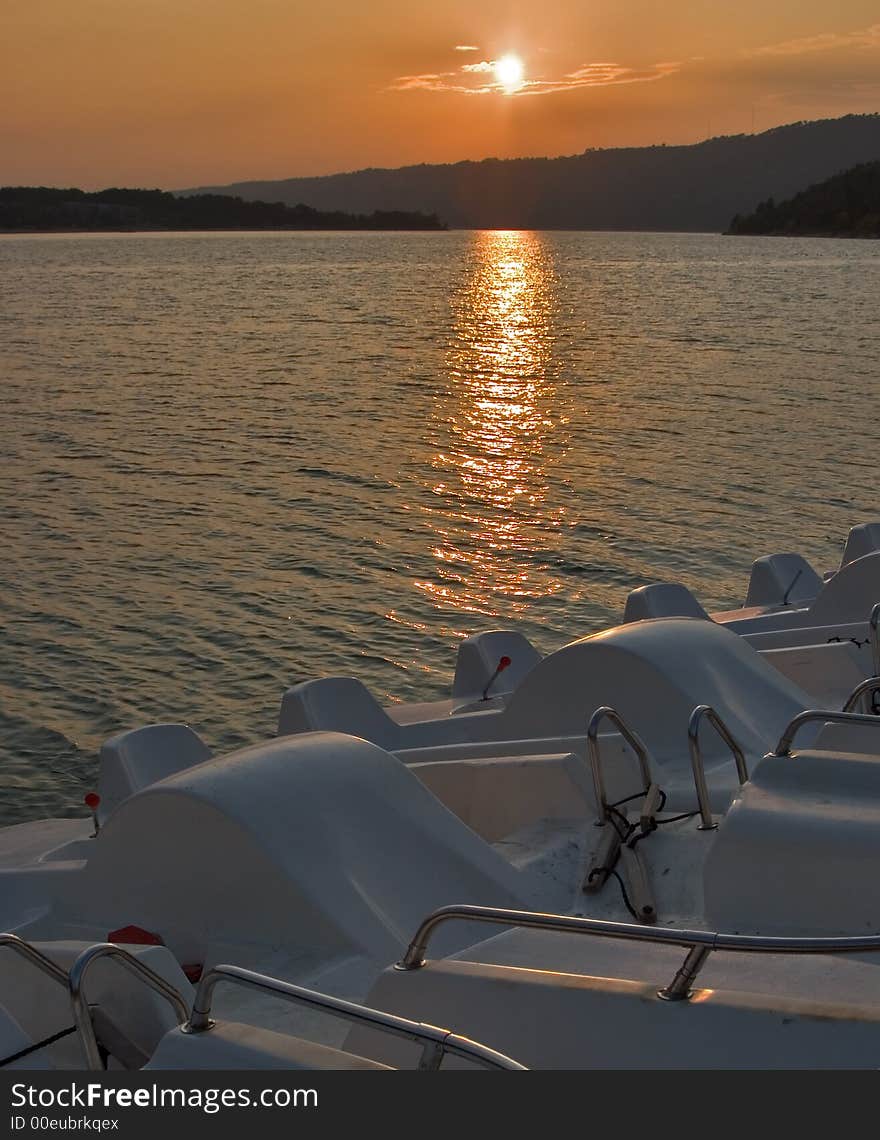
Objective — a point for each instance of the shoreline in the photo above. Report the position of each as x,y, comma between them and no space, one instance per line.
35,232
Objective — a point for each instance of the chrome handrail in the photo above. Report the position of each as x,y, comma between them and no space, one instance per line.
874,634
783,748
35,957
707,823
81,1015
700,943
633,740
869,685
437,1042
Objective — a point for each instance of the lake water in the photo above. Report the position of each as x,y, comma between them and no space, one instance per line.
236,461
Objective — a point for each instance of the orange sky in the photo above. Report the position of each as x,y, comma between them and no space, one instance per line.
175,94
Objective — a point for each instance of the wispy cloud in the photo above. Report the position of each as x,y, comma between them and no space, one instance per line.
466,47
602,75
825,41
465,80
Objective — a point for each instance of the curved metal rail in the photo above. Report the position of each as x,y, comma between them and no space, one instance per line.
81,1014
707,823
700,943
635,742
436,1042
35,957
783,748
867,687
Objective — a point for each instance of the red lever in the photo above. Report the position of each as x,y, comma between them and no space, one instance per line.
503,662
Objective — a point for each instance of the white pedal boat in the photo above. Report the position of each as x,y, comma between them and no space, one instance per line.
786,598
781,622
312,862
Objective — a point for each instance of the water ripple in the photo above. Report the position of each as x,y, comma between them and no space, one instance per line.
236,461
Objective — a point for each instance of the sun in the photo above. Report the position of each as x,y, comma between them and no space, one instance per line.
509,72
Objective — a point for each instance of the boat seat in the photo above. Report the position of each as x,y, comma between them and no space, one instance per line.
133,1017
861,540
133,760
557,1020
497,796
231,1045
798,850
13,1039
828,672
782,579
662,599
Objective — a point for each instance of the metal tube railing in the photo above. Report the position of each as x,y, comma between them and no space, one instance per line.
783,748
704,941
633,740
865,688
874,634
436,1041
35,957
82,1016
707,823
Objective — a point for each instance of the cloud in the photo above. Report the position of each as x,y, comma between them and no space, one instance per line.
466,47
588,75
602,75
441,82
420,82
825,41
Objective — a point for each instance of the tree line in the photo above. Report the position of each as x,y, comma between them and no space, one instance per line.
46,208
847,205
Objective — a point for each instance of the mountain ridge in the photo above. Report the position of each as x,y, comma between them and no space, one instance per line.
693,187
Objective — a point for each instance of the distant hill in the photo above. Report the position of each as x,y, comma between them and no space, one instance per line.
696,187
847,205
43,208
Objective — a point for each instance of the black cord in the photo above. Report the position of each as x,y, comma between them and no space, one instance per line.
39,1045
626,902
638,838
627,799
676,818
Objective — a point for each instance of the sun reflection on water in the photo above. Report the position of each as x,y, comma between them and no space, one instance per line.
499,424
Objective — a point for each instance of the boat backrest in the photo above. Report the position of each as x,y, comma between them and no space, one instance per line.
660,600
478,658
861,540
780,579
135,759
337,704
850,595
